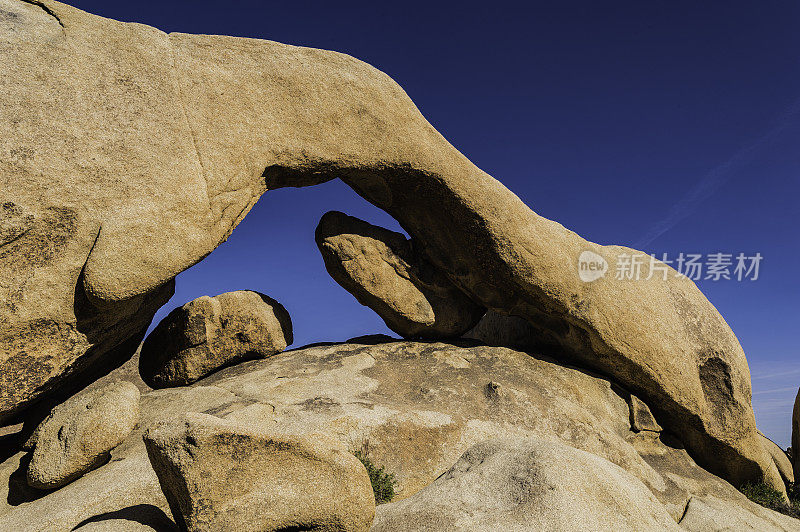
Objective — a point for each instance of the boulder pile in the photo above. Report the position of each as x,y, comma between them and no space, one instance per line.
522,398
411,408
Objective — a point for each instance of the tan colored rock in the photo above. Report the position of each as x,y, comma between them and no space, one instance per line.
529,484
119,491
79,434
136,153
384,272
779,457
128,372
710,514
421,405
218,475
418,406
209,333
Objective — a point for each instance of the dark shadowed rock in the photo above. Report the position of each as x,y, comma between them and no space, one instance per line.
499,329
209,333
796,436
641,416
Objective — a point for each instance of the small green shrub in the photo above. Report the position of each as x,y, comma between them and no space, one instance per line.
762,494
382,482
793,490
771,498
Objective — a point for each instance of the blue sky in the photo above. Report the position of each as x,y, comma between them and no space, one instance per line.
669,126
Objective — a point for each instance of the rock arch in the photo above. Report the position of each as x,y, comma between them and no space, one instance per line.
161,143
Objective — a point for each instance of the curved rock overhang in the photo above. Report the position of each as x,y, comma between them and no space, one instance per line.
130,154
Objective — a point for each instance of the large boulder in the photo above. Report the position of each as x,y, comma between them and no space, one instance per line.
130,154
384,272
710,514
209,333
534,484
79,434
416,408
122,492
520,484
780,458
218,475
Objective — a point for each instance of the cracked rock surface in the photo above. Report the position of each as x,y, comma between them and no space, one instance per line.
417,407
220,475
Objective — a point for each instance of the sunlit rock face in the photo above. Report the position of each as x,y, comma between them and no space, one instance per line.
383,270
209,333
417,409
129,154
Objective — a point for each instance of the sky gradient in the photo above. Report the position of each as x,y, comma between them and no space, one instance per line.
667,126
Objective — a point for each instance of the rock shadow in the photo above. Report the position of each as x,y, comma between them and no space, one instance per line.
146,514
18,489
